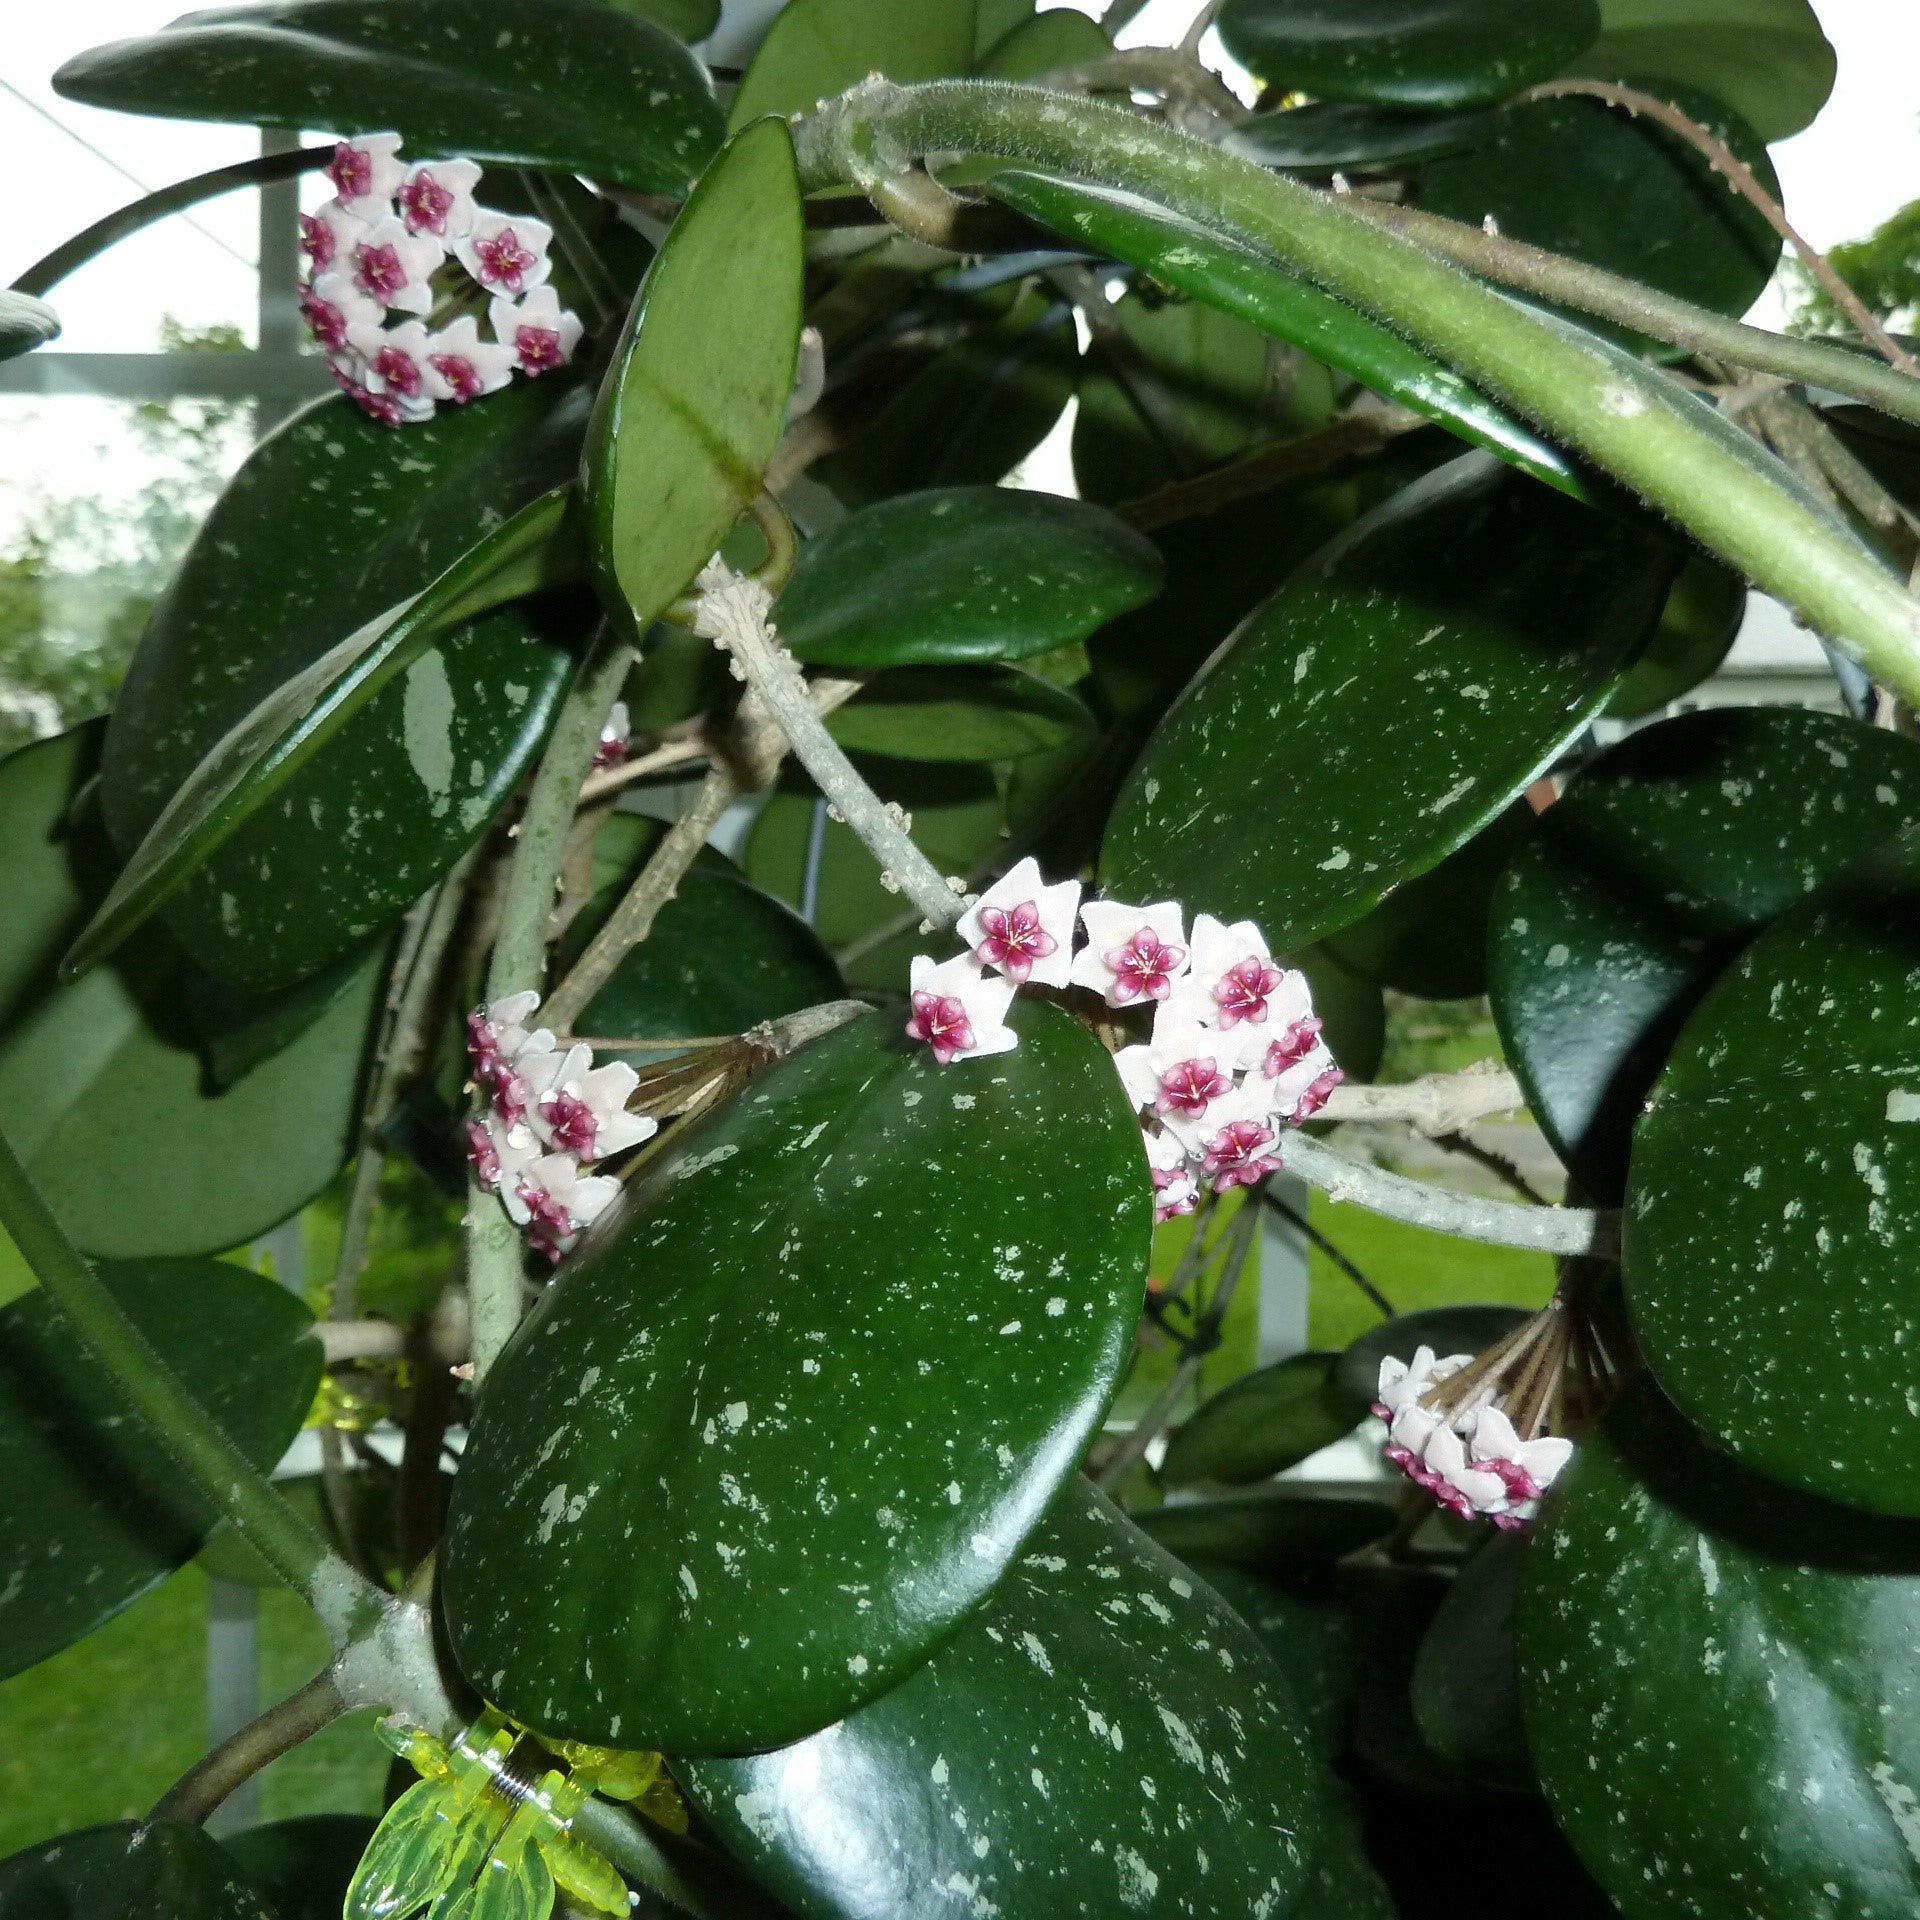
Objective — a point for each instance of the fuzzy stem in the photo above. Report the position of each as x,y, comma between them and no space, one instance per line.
209,1781
1631,421
233,1486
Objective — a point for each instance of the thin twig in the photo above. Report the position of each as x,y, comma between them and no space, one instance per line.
210,1780
1287,1211
1740,177
685,741
1496,1164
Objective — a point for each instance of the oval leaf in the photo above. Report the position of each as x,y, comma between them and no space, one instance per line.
567,84
96,1514
1770,1231
1717,1675
1767,59
1387,702
362,831
1658,863
25,323
149,1870
691,410
1325,134
1101,1664
1062,38
764,1446
1703,617
959,713
1439,53
304,1866
1239,281
1466,1676
962,574
817,48
1262,1424
1295,1529
1586,179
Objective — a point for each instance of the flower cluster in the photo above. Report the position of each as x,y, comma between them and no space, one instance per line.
1234,1053
1470,1456
550,1112
373,253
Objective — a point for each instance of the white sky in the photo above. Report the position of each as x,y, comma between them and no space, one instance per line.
1853,167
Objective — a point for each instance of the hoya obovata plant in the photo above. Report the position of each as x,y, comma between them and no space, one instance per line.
780,1267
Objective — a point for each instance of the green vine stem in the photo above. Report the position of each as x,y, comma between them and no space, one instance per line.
344,1601
201,1789
1632,422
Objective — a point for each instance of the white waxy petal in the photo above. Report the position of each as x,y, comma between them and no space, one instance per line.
1057,908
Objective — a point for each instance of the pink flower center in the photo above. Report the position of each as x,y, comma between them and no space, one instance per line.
1315,1097
572,1121
425,204
1519,1483
1015,939
1189,1085
350,170
1145,965
1243,990
539,348
1234,1155
399,370
1292,1047
511,1094
552,1226
316,241
504,262
484,1155
483,1046
378,271
326,322
459,373
941,1021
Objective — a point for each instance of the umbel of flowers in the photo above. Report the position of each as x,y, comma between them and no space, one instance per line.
393,262
1234,1053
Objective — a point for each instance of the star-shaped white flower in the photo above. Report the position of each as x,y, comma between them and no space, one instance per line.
394,267
1133,954
461,366
506,252
581,1109
394,359
1525,1468
366,171
959,1011
1460,1487
501,1155
541,332
1403,1382
332,306
436,197
1024,928
1175,1189
1181,1069
1235,985
556,1202
328,235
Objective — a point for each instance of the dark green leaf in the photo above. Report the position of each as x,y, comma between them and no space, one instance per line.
131,1871
1767,59
1466,1328
1286,1532
25,323
568,84
1108,1737
303,1867
1466,1677
959,713
1586,179
995,19
1062,38
238,1031
1344,1884
1237,281
689,414
1429,937
785,1424
1310,1638
333,521
1704,612
1718,1676
1662,858
96,1512
1324,134
817,48
1770,1230
1262,1424
1353,1008
722,957
962,574
1387,703
1443,53
538,547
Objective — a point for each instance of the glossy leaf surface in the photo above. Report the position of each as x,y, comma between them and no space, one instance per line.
399,793
129,1871
817,48
1353,1009
1770,1231
303,1866
1661,859
102,1091
959,713
995,19
537,548
96,1512
1109,1729
1325,134
25,323
688,416
1287,1531
1239,281
1720,1682
1264,1422
1767,59
1390,700
1407,53
687,20
1466,1676
962,574
568,84
769,1440
1062,38
1702,620
1589,180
